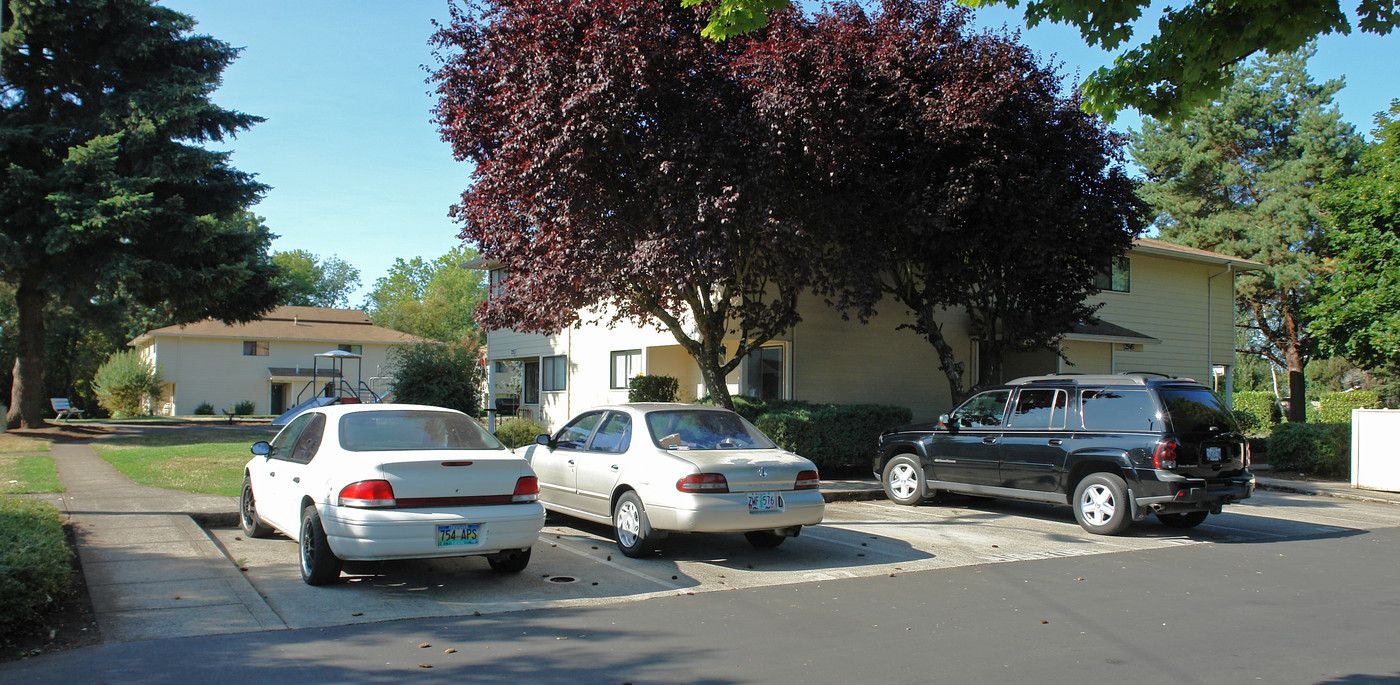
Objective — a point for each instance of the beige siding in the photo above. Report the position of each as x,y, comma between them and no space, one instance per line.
1083,356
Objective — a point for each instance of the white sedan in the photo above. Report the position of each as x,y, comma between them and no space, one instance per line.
651,469
391,481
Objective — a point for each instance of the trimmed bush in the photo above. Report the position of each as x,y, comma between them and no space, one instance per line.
1259,409
646,388
839,438
204,409
1335,407
34,562
124,381
1321,449
518,432
243,408
437,375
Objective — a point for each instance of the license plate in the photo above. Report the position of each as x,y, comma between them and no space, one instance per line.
764,501
459,534
1212,454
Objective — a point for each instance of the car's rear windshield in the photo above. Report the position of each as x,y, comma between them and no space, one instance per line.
1197,413
413,429
690,429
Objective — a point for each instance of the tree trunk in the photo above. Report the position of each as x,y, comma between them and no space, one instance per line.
27,393
714,381
1297,388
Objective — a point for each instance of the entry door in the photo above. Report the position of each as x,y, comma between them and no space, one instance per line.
277,399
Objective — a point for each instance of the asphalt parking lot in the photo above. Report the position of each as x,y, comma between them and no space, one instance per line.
577,564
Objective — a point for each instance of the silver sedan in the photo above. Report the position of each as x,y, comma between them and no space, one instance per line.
652,469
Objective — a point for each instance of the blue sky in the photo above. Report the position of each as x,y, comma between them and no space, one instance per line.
357,168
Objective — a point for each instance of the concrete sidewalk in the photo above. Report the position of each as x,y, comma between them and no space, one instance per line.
153,572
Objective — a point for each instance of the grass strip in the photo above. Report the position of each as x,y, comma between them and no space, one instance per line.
28,474
196,460
34,561
11,443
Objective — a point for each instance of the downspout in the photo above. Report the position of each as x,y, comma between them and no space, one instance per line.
1210,332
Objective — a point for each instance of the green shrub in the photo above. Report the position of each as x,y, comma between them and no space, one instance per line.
204,409
646,388
1335,407
243,408
1321,449
1260,410
34,562
437,375
839,438
518,432
123,381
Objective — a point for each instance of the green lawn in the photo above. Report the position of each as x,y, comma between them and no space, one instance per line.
197,460
11,443
28,473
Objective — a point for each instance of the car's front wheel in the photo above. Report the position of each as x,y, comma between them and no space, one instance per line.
1101,504
509,561
248,518
904,480
319,565
1189,519
634,535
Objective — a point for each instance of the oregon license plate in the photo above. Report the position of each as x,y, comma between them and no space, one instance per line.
459,534
1212,454
764,501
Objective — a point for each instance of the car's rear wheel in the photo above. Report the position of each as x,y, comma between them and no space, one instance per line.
248,518
1188,519
764,539
1101,504
509,561
319,565
634,535
904,480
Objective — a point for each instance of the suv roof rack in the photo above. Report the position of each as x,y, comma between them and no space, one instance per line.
1145,373
1080,378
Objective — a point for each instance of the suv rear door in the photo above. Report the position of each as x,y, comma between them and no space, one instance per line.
1209,442
1034,444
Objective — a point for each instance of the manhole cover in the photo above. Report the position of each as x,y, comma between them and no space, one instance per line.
562,579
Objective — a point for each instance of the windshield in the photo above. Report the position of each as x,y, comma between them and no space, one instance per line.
1197,413
704,430
413,429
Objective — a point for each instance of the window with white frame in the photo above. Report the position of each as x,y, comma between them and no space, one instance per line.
625,365
555,374
763,375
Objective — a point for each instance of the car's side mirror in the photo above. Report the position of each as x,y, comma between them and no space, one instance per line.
543,439
261,448
946,424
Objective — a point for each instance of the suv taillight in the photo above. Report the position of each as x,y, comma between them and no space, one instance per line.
367,493
1247,455
1164,457
703,482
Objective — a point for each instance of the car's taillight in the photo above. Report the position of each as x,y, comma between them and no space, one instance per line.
808,480
527,489
1164,457
367,493
1247,456
703,482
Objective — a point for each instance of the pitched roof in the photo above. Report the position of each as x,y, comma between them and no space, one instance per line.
294,323
1162,247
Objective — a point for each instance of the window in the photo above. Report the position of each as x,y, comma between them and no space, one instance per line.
625,365
555,374
575,435
1040,408
1117,278
497,279
763,378
530,385
982,411
353,349
255,348
614,436
1119,410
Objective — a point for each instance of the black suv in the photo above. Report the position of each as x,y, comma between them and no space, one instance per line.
1114,447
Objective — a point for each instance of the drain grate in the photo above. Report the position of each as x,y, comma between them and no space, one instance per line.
562,579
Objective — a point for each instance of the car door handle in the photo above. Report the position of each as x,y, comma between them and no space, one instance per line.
296,479
989,441
571,462
271,474
1056,441
614,467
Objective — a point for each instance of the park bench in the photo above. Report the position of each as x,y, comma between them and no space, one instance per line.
64,408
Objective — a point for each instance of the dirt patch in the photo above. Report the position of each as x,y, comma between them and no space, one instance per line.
63,432
68,624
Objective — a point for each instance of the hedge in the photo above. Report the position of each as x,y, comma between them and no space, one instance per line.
1335,407
840,439
1257,412
517,432
1322,449
34,562
653,388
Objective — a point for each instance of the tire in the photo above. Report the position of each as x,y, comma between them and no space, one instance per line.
764,539
1101,504
248,518
1188,519
319,565
903,480
511,561
630,526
